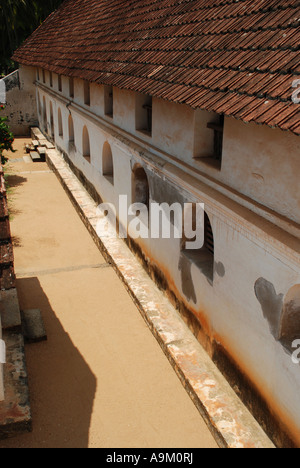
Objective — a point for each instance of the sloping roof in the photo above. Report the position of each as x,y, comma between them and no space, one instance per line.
237,57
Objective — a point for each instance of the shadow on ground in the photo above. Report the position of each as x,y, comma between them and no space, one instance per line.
61,384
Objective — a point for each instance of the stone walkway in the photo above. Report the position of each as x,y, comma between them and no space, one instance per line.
101,379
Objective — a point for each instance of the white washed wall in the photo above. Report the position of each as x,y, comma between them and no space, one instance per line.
247,248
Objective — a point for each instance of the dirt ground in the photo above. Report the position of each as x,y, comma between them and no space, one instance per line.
101,380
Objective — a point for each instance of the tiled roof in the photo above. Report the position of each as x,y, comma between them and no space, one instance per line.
237,57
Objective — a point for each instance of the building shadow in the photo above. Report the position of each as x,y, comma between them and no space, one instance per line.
62,386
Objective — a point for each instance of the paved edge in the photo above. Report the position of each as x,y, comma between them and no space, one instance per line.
228,419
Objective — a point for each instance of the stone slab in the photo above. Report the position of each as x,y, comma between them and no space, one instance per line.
33,326
27,159
42,152
35,156
10,310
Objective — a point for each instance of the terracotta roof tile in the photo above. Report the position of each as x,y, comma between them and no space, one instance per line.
238,57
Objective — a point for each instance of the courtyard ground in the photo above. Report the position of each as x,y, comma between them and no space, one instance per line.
101,379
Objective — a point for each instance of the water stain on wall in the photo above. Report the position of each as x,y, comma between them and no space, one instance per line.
282,313
220,269
188,288
271,304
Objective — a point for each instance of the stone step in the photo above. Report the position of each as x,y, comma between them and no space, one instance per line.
36,134
35,156
42,152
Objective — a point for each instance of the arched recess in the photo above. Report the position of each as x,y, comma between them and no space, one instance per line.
39,105
203,258
60,123
44,114
71,129
86,147
140,186
107,162
51,120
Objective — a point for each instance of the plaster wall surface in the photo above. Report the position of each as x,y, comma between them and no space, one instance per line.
253,271
263,164
21,107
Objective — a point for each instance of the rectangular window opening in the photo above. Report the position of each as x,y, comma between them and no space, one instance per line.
218,129
87,93
71,87
144,114
109,101
59,83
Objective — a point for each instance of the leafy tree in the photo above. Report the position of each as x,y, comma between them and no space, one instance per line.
6,137
18,19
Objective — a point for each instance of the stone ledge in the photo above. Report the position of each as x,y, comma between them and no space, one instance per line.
228,419
15,413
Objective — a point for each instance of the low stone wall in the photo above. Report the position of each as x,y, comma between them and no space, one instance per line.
19,97
7,275
15,414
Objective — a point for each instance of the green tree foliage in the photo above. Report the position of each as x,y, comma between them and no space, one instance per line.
18,19
6,137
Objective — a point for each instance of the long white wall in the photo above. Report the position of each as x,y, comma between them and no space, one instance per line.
256,263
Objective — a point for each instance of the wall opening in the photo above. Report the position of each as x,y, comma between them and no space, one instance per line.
109,101
71,87
86,148
59,78
44,76
140,187
107,163
51,120
60,124
44,114
203,258
71,129
208,138
51,80
87,93
218,132
39,105
143,115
